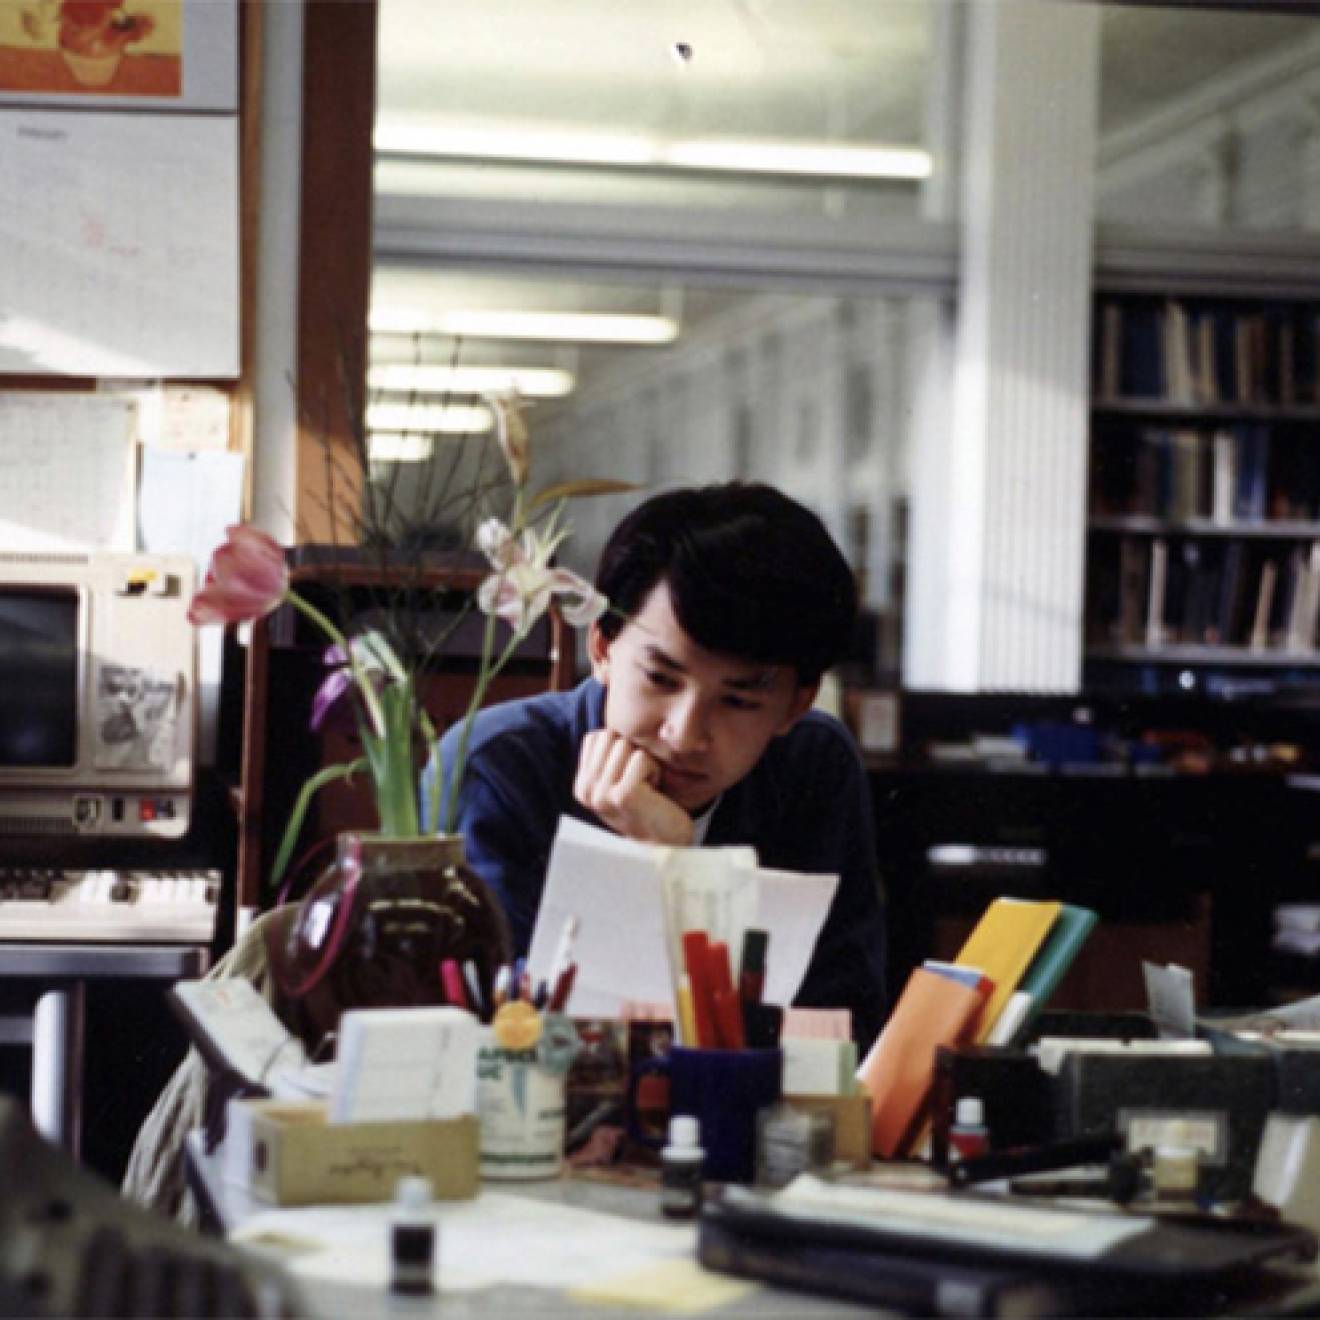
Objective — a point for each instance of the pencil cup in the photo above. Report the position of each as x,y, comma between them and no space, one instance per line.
724,1090
521,1108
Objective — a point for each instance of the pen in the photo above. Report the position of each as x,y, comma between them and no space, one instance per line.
501,990
751,965
472,982
563,988
696,957
1033,1159
452,980
519,978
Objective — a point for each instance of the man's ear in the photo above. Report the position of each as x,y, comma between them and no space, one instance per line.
804,694
598,652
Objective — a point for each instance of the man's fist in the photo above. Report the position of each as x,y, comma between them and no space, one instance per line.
619,782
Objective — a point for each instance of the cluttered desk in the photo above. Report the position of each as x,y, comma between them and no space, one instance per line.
983,1158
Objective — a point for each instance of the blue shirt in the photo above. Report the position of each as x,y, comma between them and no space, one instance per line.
804,806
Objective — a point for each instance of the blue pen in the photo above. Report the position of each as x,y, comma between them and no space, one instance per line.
519,973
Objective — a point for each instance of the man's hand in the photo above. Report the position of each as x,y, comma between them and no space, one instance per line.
619,782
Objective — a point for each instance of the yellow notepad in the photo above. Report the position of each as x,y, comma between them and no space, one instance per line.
1002,946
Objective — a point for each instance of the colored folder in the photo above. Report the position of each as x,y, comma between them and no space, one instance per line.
898,1071
1056,956
1002,945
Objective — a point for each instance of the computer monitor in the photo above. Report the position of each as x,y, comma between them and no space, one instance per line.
98,695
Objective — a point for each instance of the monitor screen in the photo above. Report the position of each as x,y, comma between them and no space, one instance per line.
38,677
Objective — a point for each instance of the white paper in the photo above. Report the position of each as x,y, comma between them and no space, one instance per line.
1170,996
496,1239
120,240
404,1065
186,500
66,470
614,886
242,1026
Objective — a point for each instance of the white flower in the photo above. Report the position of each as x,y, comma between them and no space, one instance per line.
524,583
511,434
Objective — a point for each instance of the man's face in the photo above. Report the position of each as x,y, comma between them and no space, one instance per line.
704,717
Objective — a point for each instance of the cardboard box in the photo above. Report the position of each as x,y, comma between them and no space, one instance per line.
296,1158
852,1123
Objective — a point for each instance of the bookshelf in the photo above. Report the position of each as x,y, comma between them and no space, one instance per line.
1203,519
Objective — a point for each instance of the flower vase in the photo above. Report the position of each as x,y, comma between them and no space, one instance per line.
380,920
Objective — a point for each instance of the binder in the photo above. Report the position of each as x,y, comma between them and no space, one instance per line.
1002,945
1071,929
1093,1263
898,1071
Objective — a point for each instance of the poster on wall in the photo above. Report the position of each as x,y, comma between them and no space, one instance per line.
162,54
120,235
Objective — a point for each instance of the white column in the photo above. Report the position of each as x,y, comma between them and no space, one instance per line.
999,505
274,387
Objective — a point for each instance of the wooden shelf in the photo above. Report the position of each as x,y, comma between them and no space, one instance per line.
1169,409
1206,655
1147,525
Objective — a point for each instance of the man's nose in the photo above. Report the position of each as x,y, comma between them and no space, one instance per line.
685,726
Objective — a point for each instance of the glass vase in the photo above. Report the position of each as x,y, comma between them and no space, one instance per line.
381,919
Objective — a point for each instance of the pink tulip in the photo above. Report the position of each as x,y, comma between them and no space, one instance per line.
247,578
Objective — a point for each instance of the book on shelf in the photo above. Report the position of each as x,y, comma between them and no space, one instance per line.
1159,570
1259,638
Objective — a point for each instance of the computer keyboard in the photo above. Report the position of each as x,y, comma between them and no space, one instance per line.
157,906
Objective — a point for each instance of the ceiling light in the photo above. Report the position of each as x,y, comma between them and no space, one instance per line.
759,157
536,146
429,418
391,447
578,327
434,378
751,156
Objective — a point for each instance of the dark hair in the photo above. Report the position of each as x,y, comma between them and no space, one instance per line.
752,573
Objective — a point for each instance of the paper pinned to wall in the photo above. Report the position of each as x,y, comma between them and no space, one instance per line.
66,472
120,234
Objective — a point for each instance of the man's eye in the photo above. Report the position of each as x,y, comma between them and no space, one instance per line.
658,678
741,703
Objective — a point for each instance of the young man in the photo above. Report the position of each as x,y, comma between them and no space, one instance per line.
727,603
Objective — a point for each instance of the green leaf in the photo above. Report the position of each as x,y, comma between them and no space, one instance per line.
587,486
313,785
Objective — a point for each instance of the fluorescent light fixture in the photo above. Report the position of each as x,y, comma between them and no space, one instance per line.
570,147
391,447
429,418
576,327
760,157
436,378
536,146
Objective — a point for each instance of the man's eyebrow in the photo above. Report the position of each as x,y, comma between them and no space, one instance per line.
663,658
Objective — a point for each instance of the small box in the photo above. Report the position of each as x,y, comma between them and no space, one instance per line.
296,1158
852,1123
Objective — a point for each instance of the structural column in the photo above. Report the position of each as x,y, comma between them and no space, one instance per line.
1000,488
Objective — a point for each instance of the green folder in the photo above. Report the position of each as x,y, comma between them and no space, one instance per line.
1062,945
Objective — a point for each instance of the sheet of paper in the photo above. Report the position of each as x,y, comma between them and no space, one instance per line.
793,909
1170,996
498,1238
242,1026
120,235
66,470
614,886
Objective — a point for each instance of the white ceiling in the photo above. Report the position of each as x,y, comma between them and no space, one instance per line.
827,69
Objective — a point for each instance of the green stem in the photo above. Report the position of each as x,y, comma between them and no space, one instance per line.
365,686
488,672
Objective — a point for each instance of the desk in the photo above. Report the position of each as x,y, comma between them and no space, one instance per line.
611,1234
44,1005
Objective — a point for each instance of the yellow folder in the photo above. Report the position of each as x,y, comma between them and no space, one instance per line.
1002,946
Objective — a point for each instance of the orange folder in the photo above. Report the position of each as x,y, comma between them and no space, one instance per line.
1002,945
898,1071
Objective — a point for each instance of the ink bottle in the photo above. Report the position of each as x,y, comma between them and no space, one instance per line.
968,1135
681,1163
412,1237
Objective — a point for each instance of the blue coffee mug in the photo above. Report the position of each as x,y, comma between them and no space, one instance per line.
723,1090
